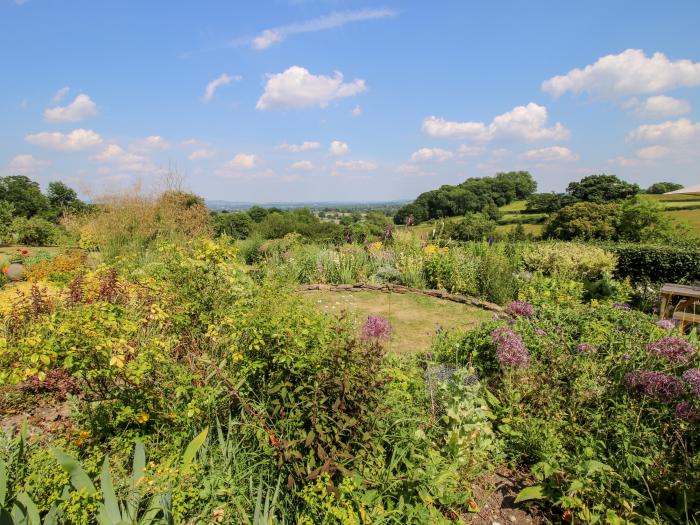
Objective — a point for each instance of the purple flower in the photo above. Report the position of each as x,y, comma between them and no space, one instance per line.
510,348
673,348
624,306
657,385
685,411
692,378
376,328
585,348
520,309
666,324
540,333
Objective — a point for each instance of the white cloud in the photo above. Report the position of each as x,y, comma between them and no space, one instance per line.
150,143
356,111
659,106
628,73
81,108
521,123
302,165
221,80
338,148
276,35
113,153
355,165
552,154
469,151
26,164
77,140
297,88
60,94
431,154
625,162
681,130
243,161
653,152
203,153
296,148
413,169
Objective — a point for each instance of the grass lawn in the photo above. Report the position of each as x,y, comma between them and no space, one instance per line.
9,251
414,318
534,229
514,206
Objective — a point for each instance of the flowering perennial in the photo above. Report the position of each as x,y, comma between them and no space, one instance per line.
585,348
692,379
666,324
520,309
376,328
674,349
657,385
510,348
684,410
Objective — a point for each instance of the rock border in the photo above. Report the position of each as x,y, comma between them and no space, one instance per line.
397,288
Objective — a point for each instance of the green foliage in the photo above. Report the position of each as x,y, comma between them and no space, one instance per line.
657,263
594,445
474,195
235,225
474,227
663,187
276,225
583,220
6,213
601,189
24,195
34,231
642,220
570,260
548,202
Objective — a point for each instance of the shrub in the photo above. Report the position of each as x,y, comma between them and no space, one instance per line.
663,187
572,260
657,263
34,231
583,220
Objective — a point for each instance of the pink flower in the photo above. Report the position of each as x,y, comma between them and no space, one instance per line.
672,348
376,327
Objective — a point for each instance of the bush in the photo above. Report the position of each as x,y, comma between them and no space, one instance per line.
588,409
572,260
663,187
474,227
34,231
583,220
657,263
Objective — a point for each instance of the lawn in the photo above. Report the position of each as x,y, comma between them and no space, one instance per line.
414,318
8,251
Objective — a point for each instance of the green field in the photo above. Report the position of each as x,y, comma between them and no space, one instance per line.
414,318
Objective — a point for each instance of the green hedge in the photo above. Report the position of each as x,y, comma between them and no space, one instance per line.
657,263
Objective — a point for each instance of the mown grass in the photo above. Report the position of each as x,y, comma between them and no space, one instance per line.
414,318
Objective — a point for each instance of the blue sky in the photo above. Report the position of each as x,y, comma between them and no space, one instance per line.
290,100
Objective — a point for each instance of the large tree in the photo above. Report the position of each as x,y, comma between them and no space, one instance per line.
663,187
24,194
601,189
584,220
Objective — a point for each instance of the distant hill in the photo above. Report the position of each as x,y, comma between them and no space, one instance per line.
219,205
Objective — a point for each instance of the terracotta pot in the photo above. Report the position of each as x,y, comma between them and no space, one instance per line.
15,272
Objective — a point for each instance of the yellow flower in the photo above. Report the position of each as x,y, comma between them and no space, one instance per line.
375,247
142,418
84,434
430,249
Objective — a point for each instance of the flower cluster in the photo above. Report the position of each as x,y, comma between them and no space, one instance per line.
666,324
585,348
624,306
520,309
510,348
674,349
692,378
376,328
657,385
685,411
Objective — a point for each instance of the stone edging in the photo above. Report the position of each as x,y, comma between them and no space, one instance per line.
397,288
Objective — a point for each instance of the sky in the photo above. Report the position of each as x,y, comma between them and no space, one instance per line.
343,100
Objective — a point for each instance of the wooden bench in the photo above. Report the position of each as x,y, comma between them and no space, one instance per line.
684,310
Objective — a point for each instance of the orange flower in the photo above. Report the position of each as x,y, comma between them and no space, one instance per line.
5,269
24,252
273,439
568,516
472,505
